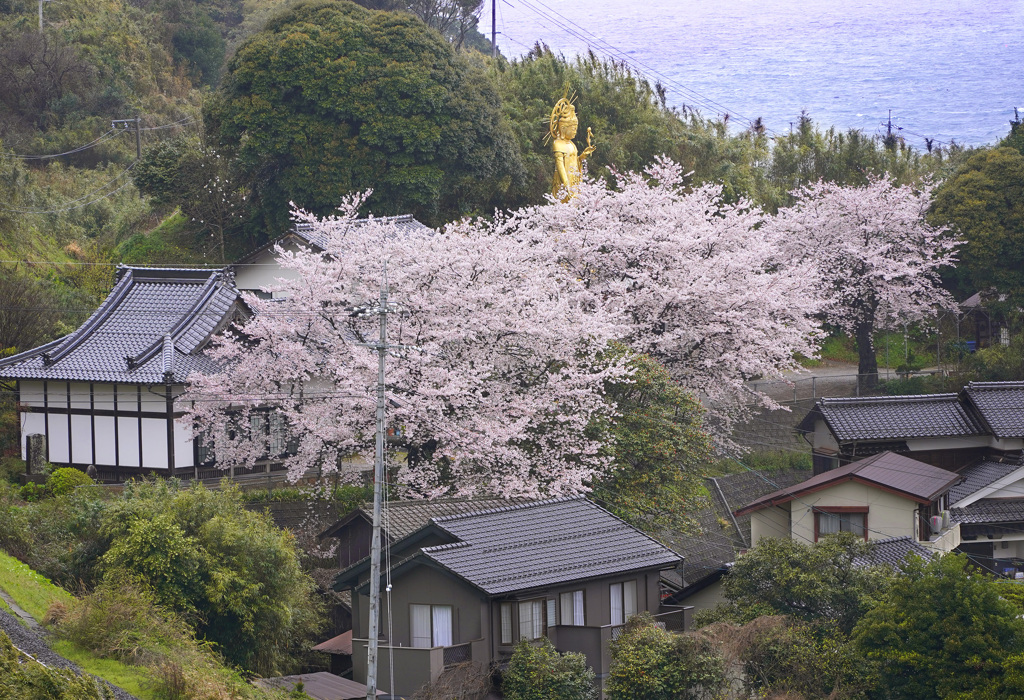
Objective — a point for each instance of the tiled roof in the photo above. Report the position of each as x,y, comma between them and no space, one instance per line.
916,480
706,550
150,329
320,685
544,543
406,517
404,223
1000,405
895,417
892,552
342,644
990,510
743,487
978,476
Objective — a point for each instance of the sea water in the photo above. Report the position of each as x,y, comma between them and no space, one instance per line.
947,69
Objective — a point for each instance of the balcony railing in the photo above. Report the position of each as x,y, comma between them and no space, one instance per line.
458,654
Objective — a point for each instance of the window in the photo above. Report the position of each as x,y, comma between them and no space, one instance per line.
506,623
830,520
431,625
623,601
531,619
572,608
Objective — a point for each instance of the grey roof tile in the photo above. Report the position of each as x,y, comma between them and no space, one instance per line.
406,517
990,510
896,417
404,223
1000,405
917,480
978,476
743,487
893,552
145,305
544,543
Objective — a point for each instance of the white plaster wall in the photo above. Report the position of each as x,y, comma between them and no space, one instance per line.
58,439
706,598
81,397
262,271
31,423
770,522
154,443
127,397
823,438
128,441
57,394
81,439
103,395
32,393
920,445
183,456
1011,490
105,454
889,515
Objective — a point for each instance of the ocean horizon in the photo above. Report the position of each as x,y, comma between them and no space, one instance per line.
949,70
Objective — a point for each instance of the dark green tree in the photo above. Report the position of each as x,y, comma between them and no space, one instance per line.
227,569
331,98
984,202
660,446
817,582
941,630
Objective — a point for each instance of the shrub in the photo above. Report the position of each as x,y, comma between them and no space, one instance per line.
32,492
649,663
229,570
65,480
537,671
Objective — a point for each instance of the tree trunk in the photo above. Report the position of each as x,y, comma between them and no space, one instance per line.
867,367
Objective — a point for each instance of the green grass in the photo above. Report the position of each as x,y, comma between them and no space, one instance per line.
31,591
134,679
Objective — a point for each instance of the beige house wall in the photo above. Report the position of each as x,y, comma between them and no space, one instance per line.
889,515
769,522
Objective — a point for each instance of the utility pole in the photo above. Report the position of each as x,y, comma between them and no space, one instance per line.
494,25
381,346
40,15
137,122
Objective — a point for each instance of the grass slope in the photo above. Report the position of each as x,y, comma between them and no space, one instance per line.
35,593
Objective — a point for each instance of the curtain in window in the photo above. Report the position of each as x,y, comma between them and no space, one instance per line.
420,619
828,523
577,608
616,602
531,621
506,623
856,524
629,599
442,625
551,612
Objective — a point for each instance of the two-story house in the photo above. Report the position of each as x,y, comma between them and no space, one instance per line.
470,586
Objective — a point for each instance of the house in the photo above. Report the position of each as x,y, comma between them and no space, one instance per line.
260,269
710,550
468,587
106,394
951,431
878,498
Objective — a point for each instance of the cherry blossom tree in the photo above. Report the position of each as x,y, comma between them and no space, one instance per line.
691,279
876,258
507,324
498,390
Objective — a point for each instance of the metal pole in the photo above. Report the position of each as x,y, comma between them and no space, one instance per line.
378,478
138,138
494,27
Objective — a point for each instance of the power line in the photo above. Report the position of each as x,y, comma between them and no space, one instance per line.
87,146
88,194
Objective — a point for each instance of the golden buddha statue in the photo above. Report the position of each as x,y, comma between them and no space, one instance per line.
568,161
